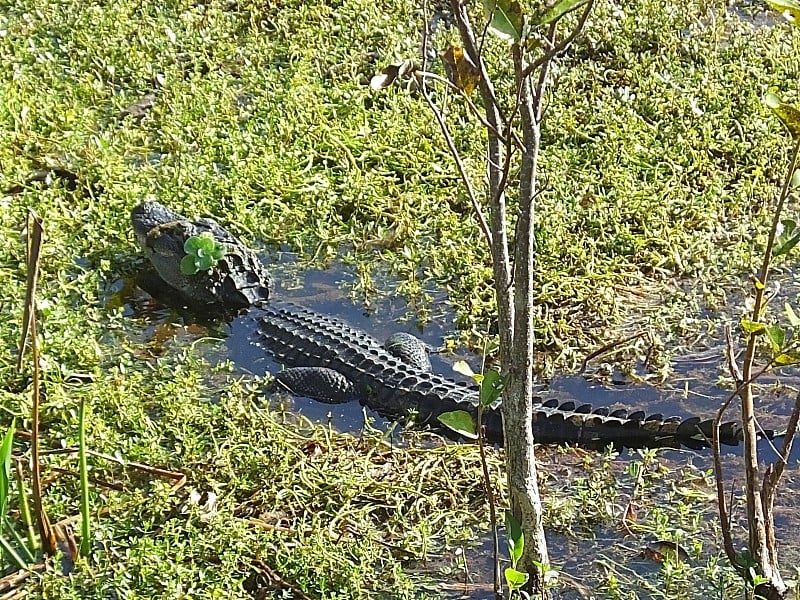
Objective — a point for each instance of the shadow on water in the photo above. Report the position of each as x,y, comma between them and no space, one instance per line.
692,390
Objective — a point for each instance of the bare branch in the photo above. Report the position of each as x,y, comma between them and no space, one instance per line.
724,519
563,44
501,262
470,105
476,206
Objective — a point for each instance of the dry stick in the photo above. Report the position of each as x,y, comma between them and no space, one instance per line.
611,346
35,234
725,522
12,580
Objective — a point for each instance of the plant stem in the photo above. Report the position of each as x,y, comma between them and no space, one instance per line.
487,482
9,549
25,508
84,474
759,545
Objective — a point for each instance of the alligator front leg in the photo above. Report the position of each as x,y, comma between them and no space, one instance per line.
318,383
330,386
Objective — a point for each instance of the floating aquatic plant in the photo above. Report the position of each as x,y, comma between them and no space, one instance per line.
202,253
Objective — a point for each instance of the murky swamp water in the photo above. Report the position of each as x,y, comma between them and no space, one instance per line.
691,389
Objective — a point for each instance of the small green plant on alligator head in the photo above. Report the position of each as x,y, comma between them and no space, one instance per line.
202,253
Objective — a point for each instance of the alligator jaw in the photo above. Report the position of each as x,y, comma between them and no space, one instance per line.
236,282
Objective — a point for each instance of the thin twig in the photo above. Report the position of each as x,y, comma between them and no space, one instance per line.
470,104
563,45
608,348
476,207
451,145
724,519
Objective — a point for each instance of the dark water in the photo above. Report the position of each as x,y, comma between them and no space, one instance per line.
327,292
691,389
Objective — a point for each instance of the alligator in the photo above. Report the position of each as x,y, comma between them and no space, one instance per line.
327,360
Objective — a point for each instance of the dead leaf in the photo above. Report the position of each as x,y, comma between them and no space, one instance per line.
460,69
390,74
139,109
662,549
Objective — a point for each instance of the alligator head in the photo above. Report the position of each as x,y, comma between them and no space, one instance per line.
237,281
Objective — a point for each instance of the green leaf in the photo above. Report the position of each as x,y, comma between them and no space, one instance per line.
751,327
788,238
506,17
786,359
788,114
202,253
192,244
204,262
188,266
776,336
491,387
515,537
794,320
461,422
5,469
559,10
461,366
788,8
515,579
200,244
218,252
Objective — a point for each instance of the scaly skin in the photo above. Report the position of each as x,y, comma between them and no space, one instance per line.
334,362
237,282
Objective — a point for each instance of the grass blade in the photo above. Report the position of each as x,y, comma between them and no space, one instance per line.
85,548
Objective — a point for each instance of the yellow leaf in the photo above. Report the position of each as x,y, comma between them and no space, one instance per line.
788,114
462,71
788,8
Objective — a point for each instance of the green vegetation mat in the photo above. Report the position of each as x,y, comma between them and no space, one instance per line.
660,162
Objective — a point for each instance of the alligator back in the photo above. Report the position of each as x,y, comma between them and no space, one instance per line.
298,337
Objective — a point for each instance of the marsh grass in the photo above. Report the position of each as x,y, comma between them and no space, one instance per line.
658,161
